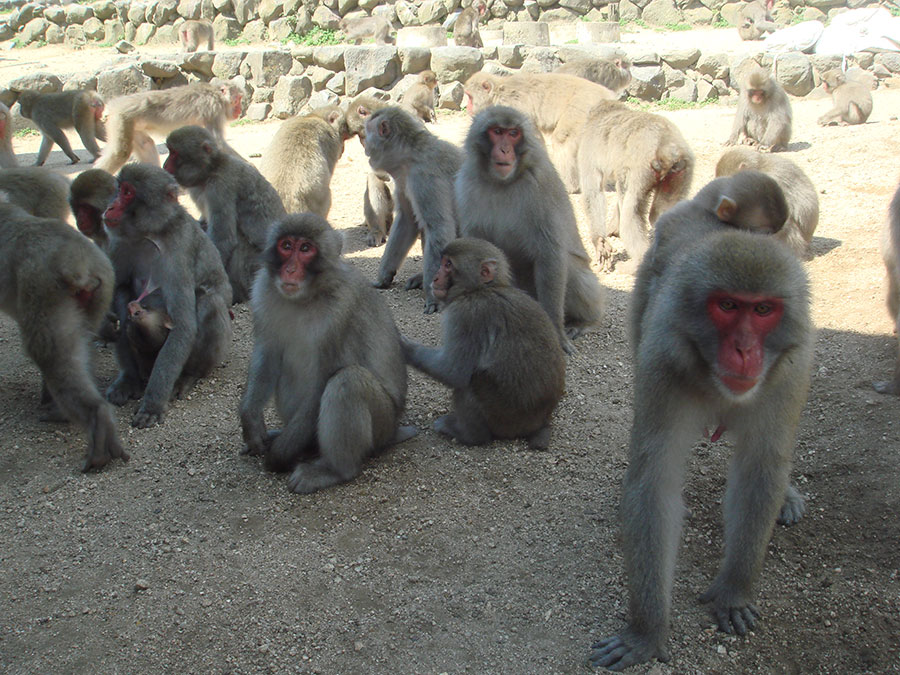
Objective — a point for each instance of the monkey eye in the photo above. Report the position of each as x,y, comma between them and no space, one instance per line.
305,247
763,309
513,133
127,190
286,245
727,305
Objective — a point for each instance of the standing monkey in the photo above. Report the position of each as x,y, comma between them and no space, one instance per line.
722,338
420,97
326,347
79,109
423,168
90,195
41,192
57,285
193,33
508,193
378,201
890,251
763,116
239,203
852,100
7,156
500,353
613,73
465,30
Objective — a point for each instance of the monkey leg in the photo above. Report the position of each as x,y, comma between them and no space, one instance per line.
403,235
633,230
44,150
128,383
356,416
584,299
793,508
57,136
467,423
88,137
144,148
891,386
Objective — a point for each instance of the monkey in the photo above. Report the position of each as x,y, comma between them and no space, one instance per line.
325,345
147,325
754,20
763,117
558,104
420,97
378,201
80,109
852,99
500,352
648,160
725,338
356,29
155,244
613,73
240,204
890,251
132,117
423,167
193,33
90,194
799,191
57,286
508,193
39,191
7,156
465,29
748,200
301,157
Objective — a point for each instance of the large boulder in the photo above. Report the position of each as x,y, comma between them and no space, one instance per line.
456,63
123,80
78,13
371,67
291,94
45,83
268,65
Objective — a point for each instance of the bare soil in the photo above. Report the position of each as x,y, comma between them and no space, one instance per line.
446,559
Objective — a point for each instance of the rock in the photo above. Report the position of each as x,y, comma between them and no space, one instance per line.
322,99
124,47
421,36
580,7
144,32
161,69
268,66
78,13
113,31
673,78
54,35
628,11
823,62
706,91
227,64
280,29
26,13
373,67
686,92
647,83
540,60
511,56
813,14
189,9
55,14
455,63
795,74
45,83
698,15
6,32
136,13
535,33
431,11
889,60
258,111
93,28
681,59
560,14
263,94
120,81
165,12
254,31
34,30
269,10
226,28
337,84
345,6
406,13
325,18
451,96
291,93
75,36
80,82
245,11
714,65
494,68
198,62
318,76
130,31
414,59
328,56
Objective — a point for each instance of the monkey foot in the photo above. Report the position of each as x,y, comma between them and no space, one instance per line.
625,649
430,307
793,509
144,420
312,477
731,612
121,391
415,281
540,440
404,434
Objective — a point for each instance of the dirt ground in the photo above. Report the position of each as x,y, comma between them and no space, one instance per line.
445,559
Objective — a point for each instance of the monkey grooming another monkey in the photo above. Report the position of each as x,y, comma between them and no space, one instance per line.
7,156
133,117
358,28
193,33
763,116
800,193
508,193
239,203
157,245
300,159
423,168
91,193
852,100
420,97
723,339
39,191
614,73
326,347
378,201
465,29
500,352
890,251
754,20
57,286
79,109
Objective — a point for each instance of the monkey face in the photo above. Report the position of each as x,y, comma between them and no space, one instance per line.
504,157
756,96
443,280
121,205
296,254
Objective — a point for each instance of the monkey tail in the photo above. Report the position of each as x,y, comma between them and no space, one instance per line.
120,132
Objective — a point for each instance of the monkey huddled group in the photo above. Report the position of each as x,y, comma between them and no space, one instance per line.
719,321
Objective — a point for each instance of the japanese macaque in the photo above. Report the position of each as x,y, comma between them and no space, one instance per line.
133,117
722,339
147,325
508,193
326,347
852,100
890,250
558,105
90,195
39,191
57,285
78,109
7,156
465,29
500,352
763,117
800,193
301,157
754,20
157,246
378,201
420,97
423,168
613,73
647,159
194,33
748,200
356,29
239,203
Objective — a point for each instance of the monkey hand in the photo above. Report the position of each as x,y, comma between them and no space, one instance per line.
105,443
626,649
415,281
385,280
430,307
123,390
147,416
732,611
259,444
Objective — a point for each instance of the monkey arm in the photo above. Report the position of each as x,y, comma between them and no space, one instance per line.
550,273
221,220
740,119
449,366
261,380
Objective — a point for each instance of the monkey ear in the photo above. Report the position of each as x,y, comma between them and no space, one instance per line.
207,148
172,194
384,128
488,270
726,209
334,116
362,111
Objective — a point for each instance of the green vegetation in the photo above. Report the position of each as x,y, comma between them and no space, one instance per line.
17,43
244,121
630,24
678,26
26,132
720,22
314,38
572,42
669,104
234,42
894,9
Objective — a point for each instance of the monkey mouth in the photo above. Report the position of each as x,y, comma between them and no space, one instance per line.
289,289
503,169
738,384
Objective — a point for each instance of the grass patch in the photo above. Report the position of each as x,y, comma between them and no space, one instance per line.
234,42
669,104
243,122
26,132
720,23
677,27
314,38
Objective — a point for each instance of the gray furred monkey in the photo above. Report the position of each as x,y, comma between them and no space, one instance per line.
763,117
326,347
40,191
890,251
378,200
500,352
89,196
53,112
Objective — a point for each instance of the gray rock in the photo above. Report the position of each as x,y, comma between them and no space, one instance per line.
715,65
120,81
258,111
34,30
628,11
729,12
455,63
80,82
280,29
198,62
55,14
681,59
6,32
721,87
291,94
325,18
26,13
318,76
559,14
337,84
130,31
540,60
387,12
226,28
78,13
373,67
431,11
303,22
813,14
698,15
136,13
580,7
889,60
269,10
368,5
93,28
495,68
451,96
647,83
706,91
399,88
144,32
823,62
864,59
304,55
329,56
224,6
673,78
528,33
113,31
255,31
795,74
45,83
54,35
376,93
345,6
124,47
227,65
406,13
245,11
642,56
414,59
160,69
263,94
322,99
824,4
189,9
511,56
268,66
165,12
166,35
686,92
75,36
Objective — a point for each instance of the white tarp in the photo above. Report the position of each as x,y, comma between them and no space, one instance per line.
869,29
801,37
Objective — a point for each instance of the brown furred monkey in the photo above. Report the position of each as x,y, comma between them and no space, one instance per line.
57,285
7,156
890,251
465,29
300,159
40,191
423,167
613,72
90,195
754,20
508,193
78,109
723,338
193,33
132,117
378,201
356,29
763,117
852,99
325,345
420,97
800,193
157,245
239,203
500,352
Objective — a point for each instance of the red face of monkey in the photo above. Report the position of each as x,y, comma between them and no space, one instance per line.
296,254
503,150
